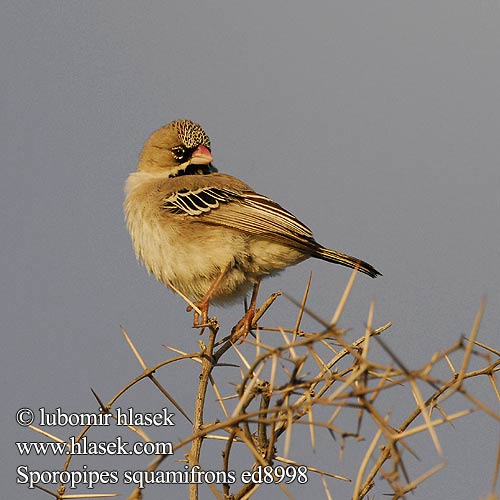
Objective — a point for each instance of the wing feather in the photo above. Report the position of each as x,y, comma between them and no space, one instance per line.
247,211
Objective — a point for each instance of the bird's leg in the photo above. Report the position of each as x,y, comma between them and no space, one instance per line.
203,304
244,325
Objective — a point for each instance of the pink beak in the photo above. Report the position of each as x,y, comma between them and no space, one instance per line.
201,156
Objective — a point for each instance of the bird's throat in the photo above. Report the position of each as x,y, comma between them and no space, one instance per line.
193,169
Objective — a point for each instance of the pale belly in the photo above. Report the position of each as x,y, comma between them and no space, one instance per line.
191,256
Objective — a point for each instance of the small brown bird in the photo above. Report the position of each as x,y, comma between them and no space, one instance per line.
209,235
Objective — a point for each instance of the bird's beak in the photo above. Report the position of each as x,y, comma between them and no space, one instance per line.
201,156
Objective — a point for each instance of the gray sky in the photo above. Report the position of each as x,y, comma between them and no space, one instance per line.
377,123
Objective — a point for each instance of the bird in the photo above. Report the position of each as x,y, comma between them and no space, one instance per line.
208,235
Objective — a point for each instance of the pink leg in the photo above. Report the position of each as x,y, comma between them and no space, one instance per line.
203,304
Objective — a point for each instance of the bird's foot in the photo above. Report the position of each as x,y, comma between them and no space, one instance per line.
200,309
244,325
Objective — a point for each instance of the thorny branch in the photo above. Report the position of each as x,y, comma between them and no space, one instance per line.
316,380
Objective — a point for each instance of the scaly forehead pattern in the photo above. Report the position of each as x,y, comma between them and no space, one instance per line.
191,134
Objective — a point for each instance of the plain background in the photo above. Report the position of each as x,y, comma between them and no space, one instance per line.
376,122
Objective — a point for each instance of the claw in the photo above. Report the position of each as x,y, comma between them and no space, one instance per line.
244,325
202,306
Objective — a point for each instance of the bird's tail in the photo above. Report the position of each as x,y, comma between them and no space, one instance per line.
346,260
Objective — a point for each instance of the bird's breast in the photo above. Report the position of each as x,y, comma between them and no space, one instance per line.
185,251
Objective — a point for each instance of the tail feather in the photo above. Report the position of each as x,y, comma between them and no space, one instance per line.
346,260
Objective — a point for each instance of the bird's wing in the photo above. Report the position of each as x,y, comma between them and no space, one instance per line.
243,210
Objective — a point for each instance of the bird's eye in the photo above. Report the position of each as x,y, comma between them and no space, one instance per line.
179,152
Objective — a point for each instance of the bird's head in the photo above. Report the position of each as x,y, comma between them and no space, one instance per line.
180,148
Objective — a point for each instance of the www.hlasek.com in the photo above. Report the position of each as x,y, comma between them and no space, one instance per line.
84,446
90,478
